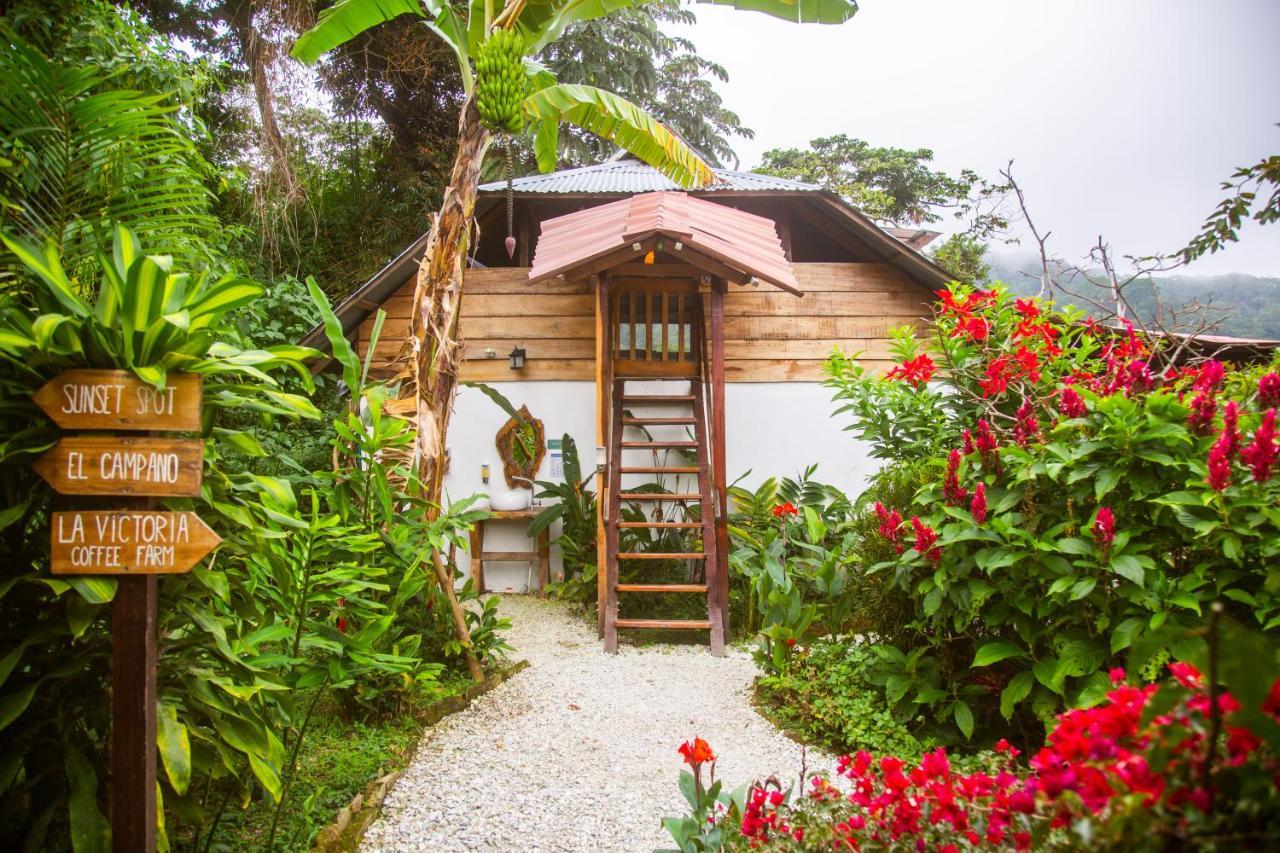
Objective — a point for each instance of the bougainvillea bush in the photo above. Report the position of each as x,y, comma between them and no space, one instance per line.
1185,765
1093,488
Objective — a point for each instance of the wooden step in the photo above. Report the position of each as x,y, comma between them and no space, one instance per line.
661,587
654,469
656,445
647,555
659,399
674,624
508,556
657,421
657,496
688,525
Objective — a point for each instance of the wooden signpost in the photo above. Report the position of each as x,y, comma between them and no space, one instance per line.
134,542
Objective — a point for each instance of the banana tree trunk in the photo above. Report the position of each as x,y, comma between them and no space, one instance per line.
435,347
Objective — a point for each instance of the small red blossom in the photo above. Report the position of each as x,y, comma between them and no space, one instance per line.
974,328
696,752
1203,409
1220,463
995,380
785,509
1027,427
978,508
1269,390
914,371
1260,455
926,539
1027,308
1209,376
1104,527
1117,675
1028,363
952,491
1186,674
890,525
1231,427
1071,404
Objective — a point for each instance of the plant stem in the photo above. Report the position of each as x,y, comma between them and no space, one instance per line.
293,763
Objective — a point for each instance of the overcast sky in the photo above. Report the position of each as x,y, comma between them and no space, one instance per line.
1122,116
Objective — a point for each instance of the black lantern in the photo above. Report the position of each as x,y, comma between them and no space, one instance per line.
517,358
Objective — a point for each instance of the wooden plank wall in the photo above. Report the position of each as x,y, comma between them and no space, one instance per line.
770,335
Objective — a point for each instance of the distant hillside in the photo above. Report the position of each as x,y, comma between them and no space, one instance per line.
1248,305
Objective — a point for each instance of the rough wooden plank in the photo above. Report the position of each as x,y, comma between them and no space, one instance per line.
124,465
536,349
127,542
551,370
118,400
133,715
662,587
649,555
784,370
821,348
870,303
508,556
671,624
810,328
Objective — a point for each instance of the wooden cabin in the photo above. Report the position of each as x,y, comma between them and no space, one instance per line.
680,334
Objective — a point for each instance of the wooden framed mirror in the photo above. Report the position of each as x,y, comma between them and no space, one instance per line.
522,445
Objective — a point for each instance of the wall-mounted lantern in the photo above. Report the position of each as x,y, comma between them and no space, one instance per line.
600,459
517,357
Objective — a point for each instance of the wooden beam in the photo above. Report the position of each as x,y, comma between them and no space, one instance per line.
603,398
718,289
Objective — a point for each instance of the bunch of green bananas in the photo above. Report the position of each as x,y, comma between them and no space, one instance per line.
501,81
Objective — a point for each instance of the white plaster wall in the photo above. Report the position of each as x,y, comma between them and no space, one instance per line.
772,429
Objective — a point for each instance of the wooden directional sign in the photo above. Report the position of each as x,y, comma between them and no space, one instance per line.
118,400
115,465
125,542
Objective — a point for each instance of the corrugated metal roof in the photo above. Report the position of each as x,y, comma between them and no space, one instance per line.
632,176
741,240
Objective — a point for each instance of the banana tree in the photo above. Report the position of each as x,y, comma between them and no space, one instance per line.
434,346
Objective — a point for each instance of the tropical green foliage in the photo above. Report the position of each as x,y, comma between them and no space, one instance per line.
574,507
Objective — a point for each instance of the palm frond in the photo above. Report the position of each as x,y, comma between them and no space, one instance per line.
617,120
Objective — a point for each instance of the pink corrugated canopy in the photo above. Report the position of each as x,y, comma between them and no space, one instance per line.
742,241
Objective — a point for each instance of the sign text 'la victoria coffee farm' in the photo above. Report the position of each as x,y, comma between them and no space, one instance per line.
124,541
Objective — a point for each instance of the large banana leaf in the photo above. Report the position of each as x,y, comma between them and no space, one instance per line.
796,11
617,120
543,22
347,19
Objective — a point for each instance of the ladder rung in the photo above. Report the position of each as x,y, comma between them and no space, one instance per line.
657,421
653,556
665,524
658,399
508,556
661,587
657,496
651,469
663,623
654,445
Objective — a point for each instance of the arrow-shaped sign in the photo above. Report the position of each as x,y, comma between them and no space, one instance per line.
119,542
116,399
116,465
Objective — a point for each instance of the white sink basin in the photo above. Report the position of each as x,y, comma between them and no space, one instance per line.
511,500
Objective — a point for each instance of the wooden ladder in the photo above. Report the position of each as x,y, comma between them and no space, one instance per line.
688,410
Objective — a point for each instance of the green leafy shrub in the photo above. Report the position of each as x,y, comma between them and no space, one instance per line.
575,509
826,698
1091,501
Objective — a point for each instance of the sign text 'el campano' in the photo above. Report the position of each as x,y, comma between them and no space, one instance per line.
121,542
118,400
118,465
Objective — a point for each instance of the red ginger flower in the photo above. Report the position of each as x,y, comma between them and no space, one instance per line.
696,751
1220,463
952,491
978,508
1203,408
986,441
890,525
1027,426
1071,404
1104,527
1260,456
1269,390
1210,376
1231,427
926,539
785,509
915,371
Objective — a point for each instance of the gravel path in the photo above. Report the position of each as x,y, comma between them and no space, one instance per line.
578,752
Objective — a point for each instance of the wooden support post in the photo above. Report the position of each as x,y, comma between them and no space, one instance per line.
477,560
544,561
445,579
133,715
718,288
603,391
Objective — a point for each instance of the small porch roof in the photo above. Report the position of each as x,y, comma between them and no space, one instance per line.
720,239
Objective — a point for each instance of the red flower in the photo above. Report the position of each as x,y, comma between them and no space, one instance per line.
1027,426
1271,705
967,442
926,539
1028,363
1203,408
1117,675
1071,404
915,371
1027,308
1261,454
784,509
986,440
890,525
1104,527
1269,390
342,624
978,508
952,491
996,378
1209,376
1186,674
696,752
1220,463
1231,427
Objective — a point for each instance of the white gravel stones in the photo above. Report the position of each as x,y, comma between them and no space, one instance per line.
578,752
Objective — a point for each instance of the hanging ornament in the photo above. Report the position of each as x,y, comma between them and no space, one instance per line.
511,205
